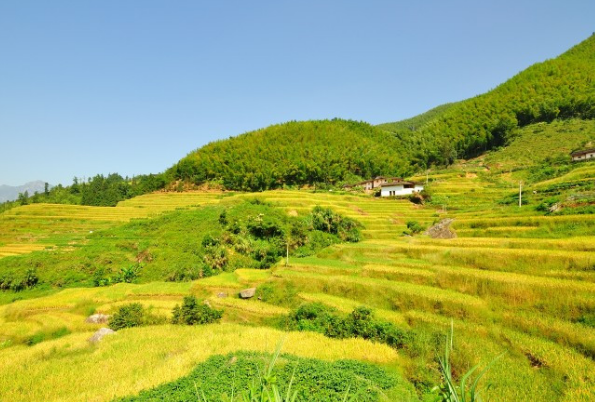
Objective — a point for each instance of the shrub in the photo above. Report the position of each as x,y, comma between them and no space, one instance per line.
184,274
210,241
133,315
360,323
16,284
126,274
216,257
192,312
325,220
414,227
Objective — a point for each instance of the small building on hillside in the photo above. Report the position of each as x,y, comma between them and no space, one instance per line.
584,155
399,188
376,182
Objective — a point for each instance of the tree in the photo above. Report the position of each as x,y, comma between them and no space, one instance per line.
23,198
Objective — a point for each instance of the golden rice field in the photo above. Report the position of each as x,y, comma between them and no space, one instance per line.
70,369
510,282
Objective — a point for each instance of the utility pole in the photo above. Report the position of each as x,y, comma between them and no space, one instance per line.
520,193
287,260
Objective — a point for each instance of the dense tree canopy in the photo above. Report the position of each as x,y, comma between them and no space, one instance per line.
296,153
560,88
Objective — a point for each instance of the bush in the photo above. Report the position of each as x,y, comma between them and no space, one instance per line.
216,257
360,323
17,284
192,312
133,315
414,227
126,274
325,220
185,274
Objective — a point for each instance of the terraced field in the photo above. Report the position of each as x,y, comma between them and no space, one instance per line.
515,280
38,226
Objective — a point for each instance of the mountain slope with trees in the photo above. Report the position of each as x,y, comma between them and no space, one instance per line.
332,151
323,152
557,89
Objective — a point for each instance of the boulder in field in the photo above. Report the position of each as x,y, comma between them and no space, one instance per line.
97,319
101,332
441,230
247,293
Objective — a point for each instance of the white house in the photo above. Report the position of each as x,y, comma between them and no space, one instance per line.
400,188
587,154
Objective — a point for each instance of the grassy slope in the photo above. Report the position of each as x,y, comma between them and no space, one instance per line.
533,144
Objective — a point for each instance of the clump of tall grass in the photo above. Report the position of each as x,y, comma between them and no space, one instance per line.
449,391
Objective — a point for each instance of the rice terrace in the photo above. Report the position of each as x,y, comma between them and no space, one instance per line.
446,257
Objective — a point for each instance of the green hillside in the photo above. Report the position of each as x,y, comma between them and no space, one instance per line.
295,153
542,142
560,88
417,122
330,152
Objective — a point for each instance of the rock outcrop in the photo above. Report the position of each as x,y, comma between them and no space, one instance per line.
441,230
248,293
101,332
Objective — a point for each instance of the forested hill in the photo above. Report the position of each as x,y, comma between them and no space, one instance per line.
559,88
417,122
332,151
296,153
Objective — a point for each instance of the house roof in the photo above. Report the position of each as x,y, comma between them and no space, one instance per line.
395,183
361,183
583,152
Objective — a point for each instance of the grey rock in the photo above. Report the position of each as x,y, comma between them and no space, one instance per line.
248,293
441,230
556,207
101,332
97,319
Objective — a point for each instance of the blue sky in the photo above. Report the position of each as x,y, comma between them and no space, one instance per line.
91,87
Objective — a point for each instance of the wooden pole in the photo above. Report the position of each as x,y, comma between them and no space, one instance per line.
287,260
520,193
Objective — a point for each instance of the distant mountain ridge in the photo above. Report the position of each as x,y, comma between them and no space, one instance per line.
11,193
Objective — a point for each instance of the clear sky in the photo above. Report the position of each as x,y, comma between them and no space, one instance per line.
91,87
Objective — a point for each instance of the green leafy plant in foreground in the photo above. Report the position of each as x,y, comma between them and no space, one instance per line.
244,376
267,390
449,391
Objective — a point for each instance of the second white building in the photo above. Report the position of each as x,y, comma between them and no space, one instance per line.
399,188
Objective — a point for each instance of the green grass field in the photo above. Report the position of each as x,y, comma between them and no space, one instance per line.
515,280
